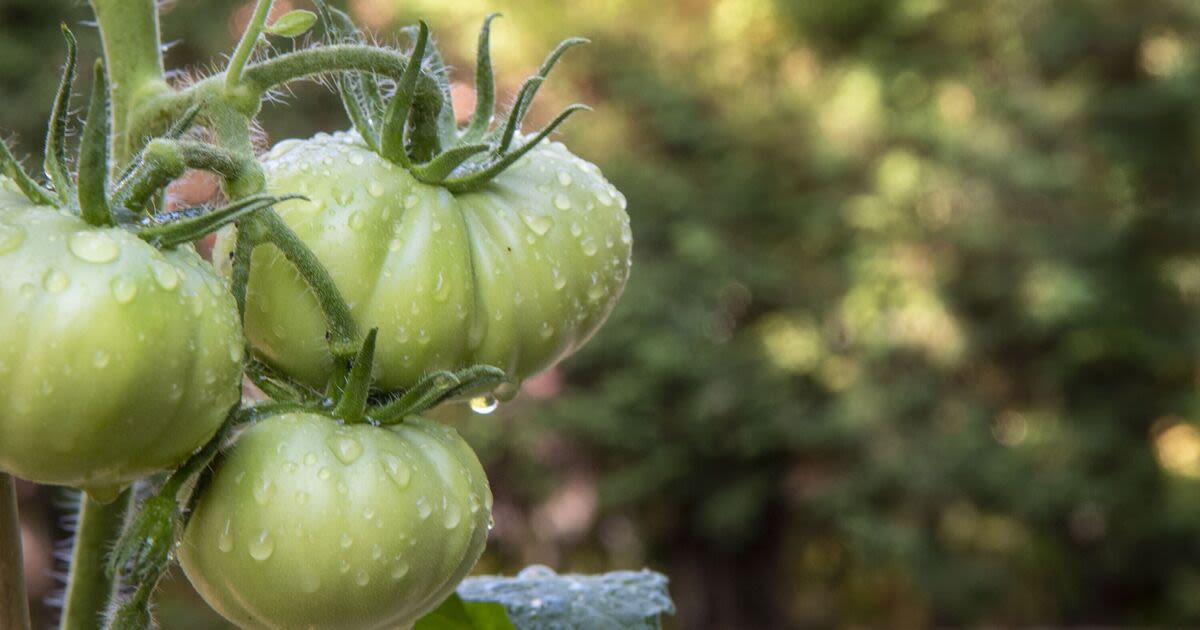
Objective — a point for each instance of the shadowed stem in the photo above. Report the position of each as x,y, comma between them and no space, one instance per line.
14,603
89,588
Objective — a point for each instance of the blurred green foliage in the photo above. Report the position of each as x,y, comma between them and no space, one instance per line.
911,335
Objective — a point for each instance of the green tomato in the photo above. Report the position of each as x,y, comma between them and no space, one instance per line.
518,275
118,360
309,523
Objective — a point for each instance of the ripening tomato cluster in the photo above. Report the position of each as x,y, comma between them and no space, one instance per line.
486,247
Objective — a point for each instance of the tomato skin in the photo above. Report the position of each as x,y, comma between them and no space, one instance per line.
517,275
309,523
118,360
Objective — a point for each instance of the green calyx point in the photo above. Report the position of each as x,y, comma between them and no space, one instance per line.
126,200
417,129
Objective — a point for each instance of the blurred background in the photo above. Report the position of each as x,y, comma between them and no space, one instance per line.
911,337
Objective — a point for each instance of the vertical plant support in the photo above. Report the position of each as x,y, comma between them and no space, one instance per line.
14,602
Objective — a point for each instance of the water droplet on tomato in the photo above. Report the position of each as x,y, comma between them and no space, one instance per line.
263,490
165,275
400,570
55,281
411,201
423,508
452,516
93,247
347,540
323,474
588,245
11,237
546,330
346,448
100,359
262,546
310,458
376,552
564,178
576,229
397,470
374,188
562,202
357,221
356,159
484,405
539,224
362,579
225,540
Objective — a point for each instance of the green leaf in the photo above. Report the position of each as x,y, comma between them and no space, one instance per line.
293,23
455,614
11,168
185,226
540,599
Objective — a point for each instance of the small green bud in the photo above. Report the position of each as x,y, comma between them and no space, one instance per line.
293,23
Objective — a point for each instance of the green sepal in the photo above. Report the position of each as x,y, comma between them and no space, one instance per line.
440,167
175,132
352,400
477,179
360,93
395,127
531,86
435,388
56,134
292,24
11,168
512,123
485,85
166,231
93,155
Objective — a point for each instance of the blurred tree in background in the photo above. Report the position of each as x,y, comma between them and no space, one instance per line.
911,335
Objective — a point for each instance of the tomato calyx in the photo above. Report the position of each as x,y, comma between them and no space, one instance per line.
424,138
127,201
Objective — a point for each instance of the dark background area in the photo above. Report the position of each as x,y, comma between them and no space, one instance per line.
911,336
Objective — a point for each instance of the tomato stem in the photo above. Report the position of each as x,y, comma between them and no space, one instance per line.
89,588
133,55
14,602
267,227
352,401
245,47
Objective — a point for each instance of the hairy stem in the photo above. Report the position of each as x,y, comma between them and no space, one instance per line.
245,47
14,603
89,588
133,56
267,227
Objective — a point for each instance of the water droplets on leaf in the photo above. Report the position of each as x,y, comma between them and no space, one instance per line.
484,405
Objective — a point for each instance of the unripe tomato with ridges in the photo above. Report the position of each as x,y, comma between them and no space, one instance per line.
118,360
310,523
517,275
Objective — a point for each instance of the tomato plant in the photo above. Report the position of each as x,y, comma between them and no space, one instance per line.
470,257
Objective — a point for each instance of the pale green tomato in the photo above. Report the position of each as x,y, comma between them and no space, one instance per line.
309,523
117,360
517,275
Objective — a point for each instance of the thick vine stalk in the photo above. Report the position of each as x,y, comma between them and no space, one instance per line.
14,602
